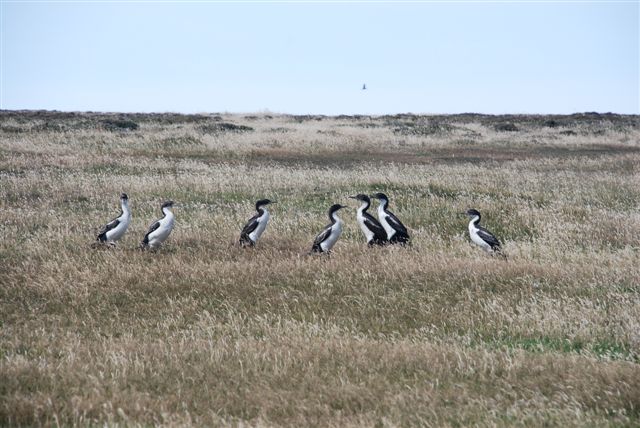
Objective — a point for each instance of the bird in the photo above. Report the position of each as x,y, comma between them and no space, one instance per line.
396,232
372,229
326,239
159,231
364,86
481,236
256,224
116,228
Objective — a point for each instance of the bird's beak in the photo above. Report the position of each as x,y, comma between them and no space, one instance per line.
353,197
273,202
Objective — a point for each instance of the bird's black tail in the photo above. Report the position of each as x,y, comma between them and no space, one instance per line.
246,242
315,249
400,239
498,251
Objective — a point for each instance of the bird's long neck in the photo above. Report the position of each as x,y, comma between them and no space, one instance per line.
261,210
383,205
166,211
475,220
364,207
124,205
333,216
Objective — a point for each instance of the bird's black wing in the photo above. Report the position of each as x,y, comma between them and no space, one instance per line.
488,238
251,225
396,223
152,228
102,236
320,238
379,234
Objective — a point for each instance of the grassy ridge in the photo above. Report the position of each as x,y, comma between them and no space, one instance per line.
204,332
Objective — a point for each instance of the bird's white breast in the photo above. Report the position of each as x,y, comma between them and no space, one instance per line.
382,217
360,217
262,225
159,235
336,231
473,233
119,231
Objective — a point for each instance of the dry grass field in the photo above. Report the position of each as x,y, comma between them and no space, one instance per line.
203,332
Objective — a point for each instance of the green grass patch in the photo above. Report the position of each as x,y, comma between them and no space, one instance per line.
601,348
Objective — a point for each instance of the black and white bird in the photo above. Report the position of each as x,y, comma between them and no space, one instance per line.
115,229
160,230
326,239
396,232
373,231
256,224
481,236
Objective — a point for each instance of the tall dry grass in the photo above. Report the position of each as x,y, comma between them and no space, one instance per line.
204,332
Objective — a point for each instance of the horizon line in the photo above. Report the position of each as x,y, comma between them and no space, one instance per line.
267,113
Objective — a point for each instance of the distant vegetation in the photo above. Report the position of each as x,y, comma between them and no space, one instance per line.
206,333
120,125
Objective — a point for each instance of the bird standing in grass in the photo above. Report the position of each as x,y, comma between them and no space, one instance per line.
256,224
326,239
116,228
160,230
373,231
396,232
481,236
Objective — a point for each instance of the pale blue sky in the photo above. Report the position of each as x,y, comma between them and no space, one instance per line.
540,57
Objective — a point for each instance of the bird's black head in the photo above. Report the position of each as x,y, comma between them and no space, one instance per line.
124,197
472,213
380,196
167,204
335,208
361,197
263,202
